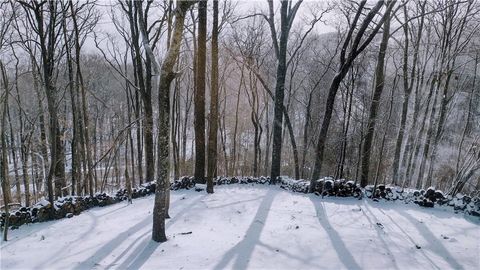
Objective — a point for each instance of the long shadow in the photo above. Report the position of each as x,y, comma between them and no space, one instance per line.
409,238
145,249
379,231
107,248
120,256
113,210
148,247
344,254
243,250
440,213
88,231
232,203
436,246
59,255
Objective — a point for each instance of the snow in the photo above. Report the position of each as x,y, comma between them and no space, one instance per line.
246,226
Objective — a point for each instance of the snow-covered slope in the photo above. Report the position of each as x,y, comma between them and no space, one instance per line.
244,226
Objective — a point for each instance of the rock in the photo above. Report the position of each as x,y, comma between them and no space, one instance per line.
430,194
439,195
74,205
184,183
475,213
43,214
328,186
425,203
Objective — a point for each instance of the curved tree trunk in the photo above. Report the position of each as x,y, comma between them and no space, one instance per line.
163,158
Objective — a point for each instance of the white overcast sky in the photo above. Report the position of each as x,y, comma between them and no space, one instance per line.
243,7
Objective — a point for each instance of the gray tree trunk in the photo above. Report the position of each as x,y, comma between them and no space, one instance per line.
377,94
163,159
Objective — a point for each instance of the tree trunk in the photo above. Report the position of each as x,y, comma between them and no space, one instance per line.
429,135
75,171
199,122
15,160
213,125
345,63
377,94
41,118
7,197
409,85
163,161
281,50
382,145
233,156
468,120
139,140
80,83
47,41
128,181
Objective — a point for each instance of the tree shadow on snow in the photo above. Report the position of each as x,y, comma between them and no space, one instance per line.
243,250
60,255
343,253
435,245
410,239
442,214
107,248
231,203
147,247
381,235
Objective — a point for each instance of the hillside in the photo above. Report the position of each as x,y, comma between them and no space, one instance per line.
244,226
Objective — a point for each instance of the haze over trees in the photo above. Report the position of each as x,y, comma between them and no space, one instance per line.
100,95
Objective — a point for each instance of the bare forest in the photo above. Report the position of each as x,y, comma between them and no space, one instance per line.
98,97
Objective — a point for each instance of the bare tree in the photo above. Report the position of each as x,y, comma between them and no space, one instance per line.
353,42
287,15
163,160
377,94
44,17
408,80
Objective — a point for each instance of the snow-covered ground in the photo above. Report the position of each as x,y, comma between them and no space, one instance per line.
244,226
